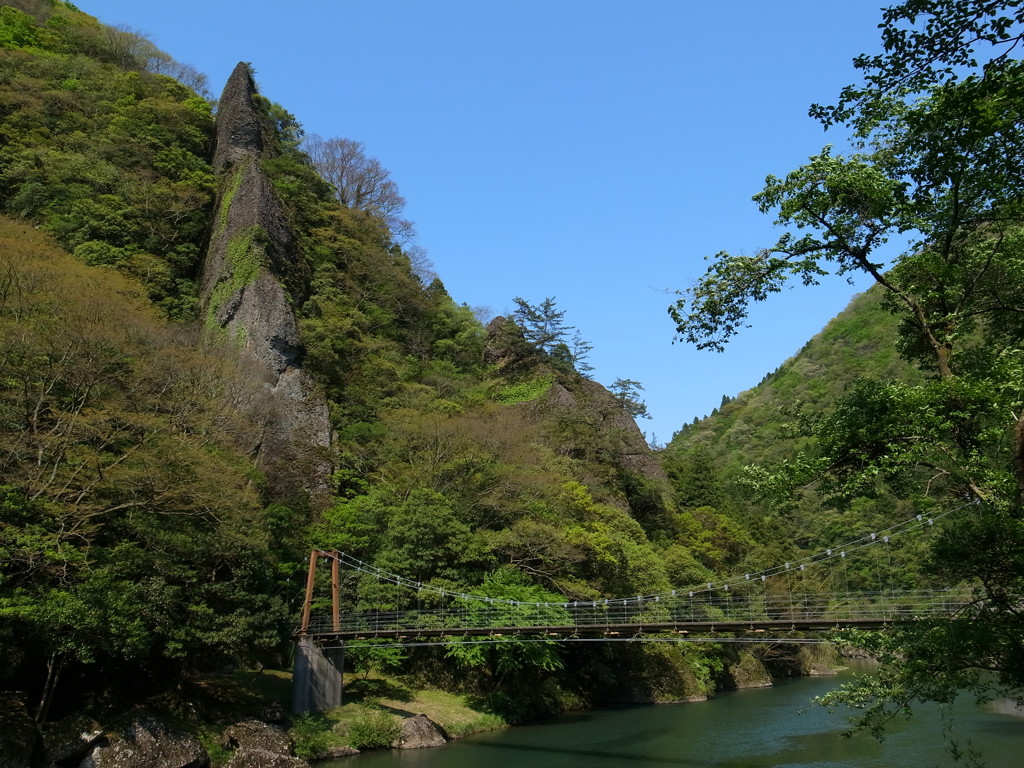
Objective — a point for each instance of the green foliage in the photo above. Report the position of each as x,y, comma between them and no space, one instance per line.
132,536
374,656
936,139
627,394
543,326
17,30
524,391
109,160
311,735
515,677
919,56
512,658
373,728
246,254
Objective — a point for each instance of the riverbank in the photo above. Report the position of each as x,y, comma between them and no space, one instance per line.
459,715
219,717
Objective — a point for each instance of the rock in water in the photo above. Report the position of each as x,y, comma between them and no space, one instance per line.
419,731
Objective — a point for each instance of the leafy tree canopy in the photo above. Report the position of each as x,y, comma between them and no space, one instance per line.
936,157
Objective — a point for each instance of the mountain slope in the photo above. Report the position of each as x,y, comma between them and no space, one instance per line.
461,455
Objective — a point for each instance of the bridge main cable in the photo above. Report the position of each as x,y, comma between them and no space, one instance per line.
799,564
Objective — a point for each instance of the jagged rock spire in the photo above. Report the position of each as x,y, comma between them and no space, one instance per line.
250,259
238,123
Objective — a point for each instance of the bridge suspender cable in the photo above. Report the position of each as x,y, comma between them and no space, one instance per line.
839,553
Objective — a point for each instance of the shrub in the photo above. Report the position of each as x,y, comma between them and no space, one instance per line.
311,734
373,727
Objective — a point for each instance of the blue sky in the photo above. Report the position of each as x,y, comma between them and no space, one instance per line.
588,150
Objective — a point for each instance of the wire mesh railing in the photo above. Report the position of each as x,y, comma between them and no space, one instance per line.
678,610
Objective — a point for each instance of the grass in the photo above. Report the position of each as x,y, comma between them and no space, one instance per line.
368,701
451,711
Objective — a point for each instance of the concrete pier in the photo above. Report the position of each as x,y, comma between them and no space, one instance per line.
316,677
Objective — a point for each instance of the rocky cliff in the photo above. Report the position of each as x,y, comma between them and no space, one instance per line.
250,260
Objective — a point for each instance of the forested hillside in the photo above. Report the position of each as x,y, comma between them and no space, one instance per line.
733,465
145,538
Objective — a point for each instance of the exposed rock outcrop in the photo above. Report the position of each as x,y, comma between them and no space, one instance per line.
258,745
239,132
250,281
418,732
70,738
18,735
609,419
143,741
574,398
748,671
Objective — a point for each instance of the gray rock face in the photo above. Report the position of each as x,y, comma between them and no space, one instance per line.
70,738
258,745
250,279
142,741
238,125
610,419
250,232
254,734
18,735
418,732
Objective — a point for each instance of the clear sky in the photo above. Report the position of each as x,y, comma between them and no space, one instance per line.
588,150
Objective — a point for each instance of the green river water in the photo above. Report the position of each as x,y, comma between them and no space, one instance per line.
758,728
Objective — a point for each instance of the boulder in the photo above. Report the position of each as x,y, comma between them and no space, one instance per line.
70,738
273,712
254,734
419,731
142,741
259,745
18,736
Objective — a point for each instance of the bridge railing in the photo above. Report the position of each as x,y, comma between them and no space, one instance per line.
700,608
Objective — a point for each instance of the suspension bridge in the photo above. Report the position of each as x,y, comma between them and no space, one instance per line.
771,603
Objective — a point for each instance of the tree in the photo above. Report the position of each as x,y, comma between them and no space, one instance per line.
927,43
937,156
359,181
627,394
579,351
544,328
543,325
514,673
131,536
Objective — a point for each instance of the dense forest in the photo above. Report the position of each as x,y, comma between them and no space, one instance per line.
149,535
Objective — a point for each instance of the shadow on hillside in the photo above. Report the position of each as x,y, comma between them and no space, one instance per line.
368,689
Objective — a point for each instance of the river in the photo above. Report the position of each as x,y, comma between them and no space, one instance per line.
757,728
